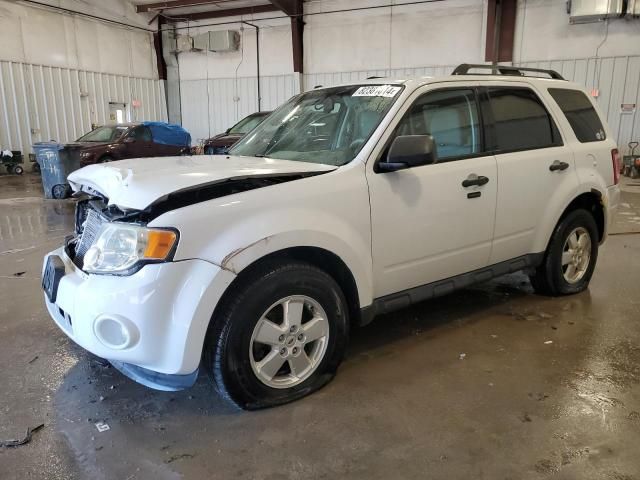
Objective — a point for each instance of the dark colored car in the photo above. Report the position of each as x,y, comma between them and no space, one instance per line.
220,144
130,140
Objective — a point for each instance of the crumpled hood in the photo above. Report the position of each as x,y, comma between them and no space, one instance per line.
223,140
135,184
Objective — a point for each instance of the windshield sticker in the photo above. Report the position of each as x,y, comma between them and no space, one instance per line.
377,91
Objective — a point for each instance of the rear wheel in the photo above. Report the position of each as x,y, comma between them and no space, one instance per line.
570,257
278,337
18,170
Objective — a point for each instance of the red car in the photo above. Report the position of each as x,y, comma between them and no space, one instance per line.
220,144
130,140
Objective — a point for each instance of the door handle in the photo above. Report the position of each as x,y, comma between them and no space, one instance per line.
558,165
475,180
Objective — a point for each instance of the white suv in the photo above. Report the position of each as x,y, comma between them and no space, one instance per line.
347,202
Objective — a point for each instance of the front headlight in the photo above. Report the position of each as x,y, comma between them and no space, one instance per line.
86,154
121,247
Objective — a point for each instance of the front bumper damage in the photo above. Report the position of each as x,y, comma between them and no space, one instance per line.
150,325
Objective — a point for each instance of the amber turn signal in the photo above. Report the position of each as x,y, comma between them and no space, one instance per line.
159,244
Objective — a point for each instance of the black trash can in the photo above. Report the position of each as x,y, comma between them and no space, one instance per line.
55,165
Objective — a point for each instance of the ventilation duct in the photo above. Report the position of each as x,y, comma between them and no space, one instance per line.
588,11
217,41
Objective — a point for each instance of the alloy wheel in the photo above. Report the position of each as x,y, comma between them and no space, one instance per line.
289,341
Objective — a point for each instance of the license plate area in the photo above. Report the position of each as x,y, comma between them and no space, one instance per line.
54,270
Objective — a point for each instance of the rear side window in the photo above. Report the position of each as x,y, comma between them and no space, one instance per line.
521,120
581,115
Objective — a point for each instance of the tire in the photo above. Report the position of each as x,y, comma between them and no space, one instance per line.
233,350
9,169
105,159
36,168
18,170
60,191
554,278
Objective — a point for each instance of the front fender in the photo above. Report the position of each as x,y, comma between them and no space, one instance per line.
329,212
251,239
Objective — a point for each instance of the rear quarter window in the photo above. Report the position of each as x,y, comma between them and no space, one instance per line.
580,114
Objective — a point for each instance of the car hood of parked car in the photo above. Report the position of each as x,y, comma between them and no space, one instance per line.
135,184
85,145
224,140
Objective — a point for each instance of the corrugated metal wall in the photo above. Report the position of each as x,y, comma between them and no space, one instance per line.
616,78
39,103
229,100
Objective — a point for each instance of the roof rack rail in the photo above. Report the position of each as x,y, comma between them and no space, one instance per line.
463,69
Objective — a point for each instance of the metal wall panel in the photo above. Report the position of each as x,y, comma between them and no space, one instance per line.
211,106
39,103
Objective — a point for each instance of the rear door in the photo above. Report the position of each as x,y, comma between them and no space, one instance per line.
536,169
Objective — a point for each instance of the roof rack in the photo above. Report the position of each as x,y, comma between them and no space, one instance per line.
463,69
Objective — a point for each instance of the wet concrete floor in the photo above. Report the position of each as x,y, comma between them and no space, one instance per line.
490,382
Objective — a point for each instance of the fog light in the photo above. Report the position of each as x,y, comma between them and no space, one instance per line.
116,332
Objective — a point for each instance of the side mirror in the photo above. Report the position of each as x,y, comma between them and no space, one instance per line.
408,151
129,140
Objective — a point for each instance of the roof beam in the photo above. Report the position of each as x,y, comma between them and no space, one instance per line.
150,7
290,7
221,13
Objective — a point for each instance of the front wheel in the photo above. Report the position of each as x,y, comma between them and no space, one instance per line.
279,335
18,170
570,257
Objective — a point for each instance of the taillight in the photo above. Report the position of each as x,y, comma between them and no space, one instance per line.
615,159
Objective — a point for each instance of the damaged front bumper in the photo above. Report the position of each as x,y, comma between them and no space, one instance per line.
150,325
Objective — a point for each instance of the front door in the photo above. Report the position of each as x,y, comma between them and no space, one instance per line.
434,221
139,143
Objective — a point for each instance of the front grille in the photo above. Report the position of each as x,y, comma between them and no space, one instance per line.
88,231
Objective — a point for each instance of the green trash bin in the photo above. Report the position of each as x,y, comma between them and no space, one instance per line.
55,165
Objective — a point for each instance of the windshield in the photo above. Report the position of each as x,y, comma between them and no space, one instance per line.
103,134
247,124
327,126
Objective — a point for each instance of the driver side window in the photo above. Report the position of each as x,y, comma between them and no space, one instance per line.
450,117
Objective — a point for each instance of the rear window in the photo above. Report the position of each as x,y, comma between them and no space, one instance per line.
521,120
580,113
